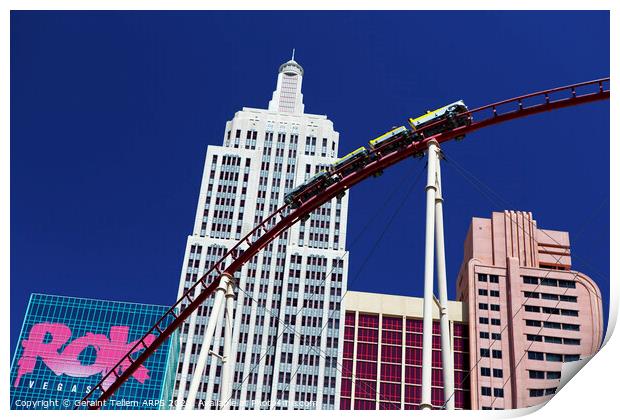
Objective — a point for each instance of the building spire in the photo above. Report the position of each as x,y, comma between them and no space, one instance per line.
288,97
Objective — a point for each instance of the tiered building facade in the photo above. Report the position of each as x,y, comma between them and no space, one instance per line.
528,310
297,280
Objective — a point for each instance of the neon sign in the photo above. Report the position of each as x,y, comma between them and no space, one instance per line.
45,341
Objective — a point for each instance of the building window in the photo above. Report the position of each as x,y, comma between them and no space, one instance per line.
534,337
485,353
537,374
532,323
530,308
496,336
537,392
484,334
494,307
497,354
498,392
498,373
483,306
535,355
485,371
569,312
553,357
494,293
554,325
482,277
495,321
493,278
553,374
483,292
484,320
485,390
569,284
530,280
548,282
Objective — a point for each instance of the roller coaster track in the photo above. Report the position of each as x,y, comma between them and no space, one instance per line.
285,217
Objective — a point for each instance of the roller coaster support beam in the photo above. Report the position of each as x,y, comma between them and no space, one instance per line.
434,248
427,332
218,300
227,359
447,357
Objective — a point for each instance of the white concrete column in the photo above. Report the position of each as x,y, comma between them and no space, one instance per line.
228,360
447,358
218,300
427,336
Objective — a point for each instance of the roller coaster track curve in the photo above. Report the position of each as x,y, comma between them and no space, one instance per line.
285,217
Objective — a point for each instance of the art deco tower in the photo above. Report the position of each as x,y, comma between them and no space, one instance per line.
298,280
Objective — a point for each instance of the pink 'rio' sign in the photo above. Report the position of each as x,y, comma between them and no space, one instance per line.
45,340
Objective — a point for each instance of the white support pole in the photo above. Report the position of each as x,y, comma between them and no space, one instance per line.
427,332
447,361
186,356
206,341
227,358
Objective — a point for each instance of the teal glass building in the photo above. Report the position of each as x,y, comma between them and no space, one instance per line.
67,344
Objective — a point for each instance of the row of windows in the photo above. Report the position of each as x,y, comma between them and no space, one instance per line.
568,284
497,354
494,336
550,296
485,320
497,373
497,392
553,340
485,292
552,357
413,325
553,325
485,306
491,278
553,311
541,374
542,392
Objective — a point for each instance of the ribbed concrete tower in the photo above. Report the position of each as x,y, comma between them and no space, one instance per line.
298,279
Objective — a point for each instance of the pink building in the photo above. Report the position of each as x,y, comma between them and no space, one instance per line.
528,311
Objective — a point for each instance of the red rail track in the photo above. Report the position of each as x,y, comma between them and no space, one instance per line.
284,217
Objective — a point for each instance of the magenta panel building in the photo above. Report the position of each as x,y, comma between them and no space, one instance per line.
382,353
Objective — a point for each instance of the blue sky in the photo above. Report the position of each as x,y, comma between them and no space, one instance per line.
112,112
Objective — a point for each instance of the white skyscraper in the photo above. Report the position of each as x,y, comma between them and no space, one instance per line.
298,279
